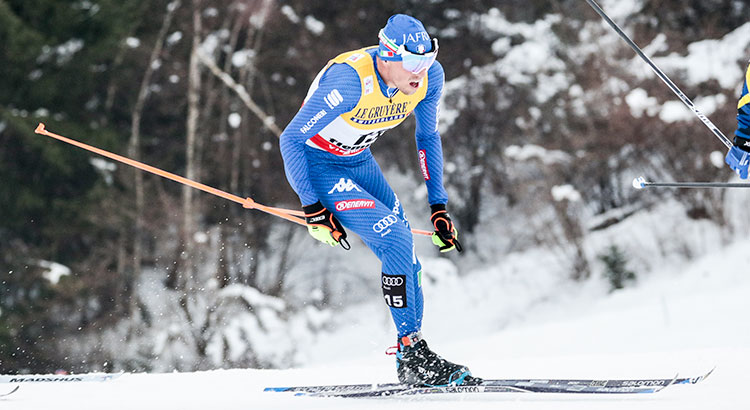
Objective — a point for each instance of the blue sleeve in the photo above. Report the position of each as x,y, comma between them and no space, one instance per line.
311,118
743,110
429,146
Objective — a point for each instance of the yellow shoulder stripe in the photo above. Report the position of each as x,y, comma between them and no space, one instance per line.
744,101
745,98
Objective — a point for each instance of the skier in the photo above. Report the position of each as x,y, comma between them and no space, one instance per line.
353,100
738,156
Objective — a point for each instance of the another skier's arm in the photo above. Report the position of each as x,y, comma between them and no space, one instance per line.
738,157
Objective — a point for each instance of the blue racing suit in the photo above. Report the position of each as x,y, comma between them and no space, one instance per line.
327,158
743,110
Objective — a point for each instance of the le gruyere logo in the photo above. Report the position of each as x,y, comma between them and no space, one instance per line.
381,113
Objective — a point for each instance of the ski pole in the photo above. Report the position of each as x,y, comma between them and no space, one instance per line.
640,183
294,216
663,76
297,217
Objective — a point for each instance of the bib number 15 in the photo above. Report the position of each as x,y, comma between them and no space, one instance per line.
394,290
394,301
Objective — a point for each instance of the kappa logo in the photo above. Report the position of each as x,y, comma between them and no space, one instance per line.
344,185
354,204
333,98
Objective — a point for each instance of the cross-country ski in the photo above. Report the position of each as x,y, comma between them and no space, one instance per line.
8,393
59,378
590,386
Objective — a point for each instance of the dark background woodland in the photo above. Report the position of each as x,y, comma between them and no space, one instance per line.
155,100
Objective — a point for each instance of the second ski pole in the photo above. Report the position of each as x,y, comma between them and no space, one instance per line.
641,182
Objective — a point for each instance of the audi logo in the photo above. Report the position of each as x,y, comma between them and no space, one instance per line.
384,223
393,281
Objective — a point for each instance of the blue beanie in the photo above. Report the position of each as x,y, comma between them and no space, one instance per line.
403,30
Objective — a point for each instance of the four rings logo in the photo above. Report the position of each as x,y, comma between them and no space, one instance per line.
393,280
354,204
384,223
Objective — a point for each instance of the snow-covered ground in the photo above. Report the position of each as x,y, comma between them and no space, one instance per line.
683,319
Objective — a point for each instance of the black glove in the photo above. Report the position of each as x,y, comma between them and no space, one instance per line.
445,235
323,226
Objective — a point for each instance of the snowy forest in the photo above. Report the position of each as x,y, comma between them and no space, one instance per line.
547,116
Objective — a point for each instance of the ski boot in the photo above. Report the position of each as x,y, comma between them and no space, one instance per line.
417,365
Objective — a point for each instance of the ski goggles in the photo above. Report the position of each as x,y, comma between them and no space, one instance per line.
412,62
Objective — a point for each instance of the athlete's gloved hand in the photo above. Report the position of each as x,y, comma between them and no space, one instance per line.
445,235
323,226
738,157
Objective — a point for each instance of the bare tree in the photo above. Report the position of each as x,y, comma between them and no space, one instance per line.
193,98
268,121
135,141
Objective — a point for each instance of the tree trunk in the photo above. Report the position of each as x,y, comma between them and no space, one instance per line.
188,217
134,147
